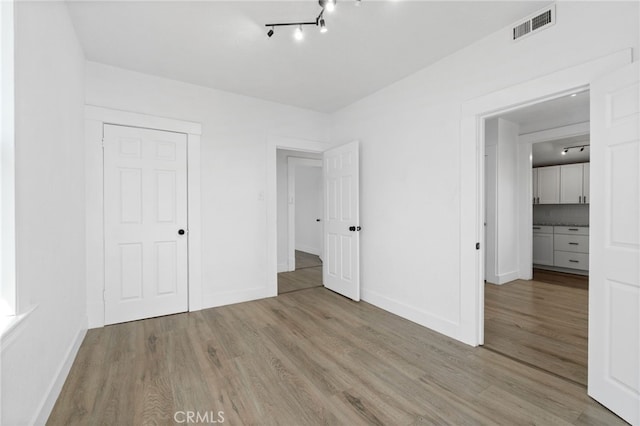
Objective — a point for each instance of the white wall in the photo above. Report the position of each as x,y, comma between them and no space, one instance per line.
507,207
410,157
308,202
491,200
282,202
50,237
235,133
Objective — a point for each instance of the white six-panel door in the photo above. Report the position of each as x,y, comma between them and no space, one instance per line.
614,281
145,216
341,262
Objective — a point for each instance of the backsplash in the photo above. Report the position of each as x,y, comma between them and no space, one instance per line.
561,214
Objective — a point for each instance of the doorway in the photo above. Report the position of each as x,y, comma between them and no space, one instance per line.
613,326
537,312
340,221
300,212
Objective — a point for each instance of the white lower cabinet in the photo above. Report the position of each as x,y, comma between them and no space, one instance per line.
561,247
567,259
543,245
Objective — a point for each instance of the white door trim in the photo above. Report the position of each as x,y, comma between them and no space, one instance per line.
292,163
561,83
95,119
273,144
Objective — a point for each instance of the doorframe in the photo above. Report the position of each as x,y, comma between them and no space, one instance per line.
292,163
473,114
95,119
274,143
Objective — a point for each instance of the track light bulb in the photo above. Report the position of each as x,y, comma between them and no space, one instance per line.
323,27
297,34
270,33
565,151
329,5
582,149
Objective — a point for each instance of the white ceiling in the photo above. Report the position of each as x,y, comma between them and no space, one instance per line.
550,153
551,114
223,44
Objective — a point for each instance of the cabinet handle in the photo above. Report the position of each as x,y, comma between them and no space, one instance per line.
538,200
579,199
536,227
573,229
574,261
573,244
584,199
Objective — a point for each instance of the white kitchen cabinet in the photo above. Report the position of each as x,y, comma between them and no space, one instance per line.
572,183
571,247
586,172
548,185
534,181
543,245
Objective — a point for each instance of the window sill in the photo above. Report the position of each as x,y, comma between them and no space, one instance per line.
11,325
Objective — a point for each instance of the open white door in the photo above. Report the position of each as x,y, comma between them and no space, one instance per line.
341,263
145,223
614,284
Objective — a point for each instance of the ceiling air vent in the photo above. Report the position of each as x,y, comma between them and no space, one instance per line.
536,22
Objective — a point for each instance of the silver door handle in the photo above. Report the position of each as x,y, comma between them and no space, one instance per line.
584,199
579,199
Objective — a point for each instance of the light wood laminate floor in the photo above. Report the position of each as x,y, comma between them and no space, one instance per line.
307,358
308,274
541,323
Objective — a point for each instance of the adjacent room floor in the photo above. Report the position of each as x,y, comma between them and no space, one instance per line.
542,322
304,358
308,274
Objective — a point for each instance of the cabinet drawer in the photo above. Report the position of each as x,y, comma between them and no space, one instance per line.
573,243
571,230
567,259
542,229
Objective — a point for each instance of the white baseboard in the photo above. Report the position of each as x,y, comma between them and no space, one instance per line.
508,277
308,249
426,319
230,298
283,267
44,410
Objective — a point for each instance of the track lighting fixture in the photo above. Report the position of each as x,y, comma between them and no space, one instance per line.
328,5
323,27
566,149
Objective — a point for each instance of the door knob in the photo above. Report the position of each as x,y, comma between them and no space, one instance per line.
180,231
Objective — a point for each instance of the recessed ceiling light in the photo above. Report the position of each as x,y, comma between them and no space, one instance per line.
297,34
